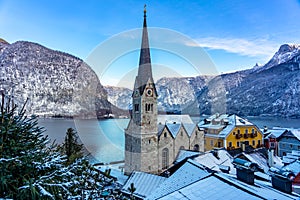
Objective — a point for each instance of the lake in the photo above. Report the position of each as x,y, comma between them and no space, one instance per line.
104,139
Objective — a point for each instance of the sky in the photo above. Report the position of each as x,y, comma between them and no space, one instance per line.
234,34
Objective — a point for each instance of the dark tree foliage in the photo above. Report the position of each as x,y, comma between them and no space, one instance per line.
71,147
30,168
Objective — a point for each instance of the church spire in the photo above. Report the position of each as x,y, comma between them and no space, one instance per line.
145,69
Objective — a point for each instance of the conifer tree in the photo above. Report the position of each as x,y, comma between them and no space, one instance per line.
71,147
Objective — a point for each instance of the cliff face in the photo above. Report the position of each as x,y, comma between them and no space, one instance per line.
54,82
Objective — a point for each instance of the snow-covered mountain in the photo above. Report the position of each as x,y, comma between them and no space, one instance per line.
54,82
270,89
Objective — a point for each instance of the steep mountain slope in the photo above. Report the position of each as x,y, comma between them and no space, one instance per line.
273,89
55,83
270,89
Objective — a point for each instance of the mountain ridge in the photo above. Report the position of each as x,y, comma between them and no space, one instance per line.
270,89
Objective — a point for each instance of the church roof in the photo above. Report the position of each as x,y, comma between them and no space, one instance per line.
145,70
174,129
144,183
189,128
170,119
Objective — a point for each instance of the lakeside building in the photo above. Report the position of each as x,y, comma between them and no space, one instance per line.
230,131
153,141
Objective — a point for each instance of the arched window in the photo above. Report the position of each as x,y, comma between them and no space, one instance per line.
196,147
165,158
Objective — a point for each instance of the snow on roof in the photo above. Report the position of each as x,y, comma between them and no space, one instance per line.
164,119
262,189
188,173
183,154
296,133
227,122
275,133
174,129
294,167
210,187
189,128
213,163
143,182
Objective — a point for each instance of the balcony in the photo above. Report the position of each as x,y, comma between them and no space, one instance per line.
238,136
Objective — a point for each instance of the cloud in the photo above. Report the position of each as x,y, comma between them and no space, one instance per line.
253,48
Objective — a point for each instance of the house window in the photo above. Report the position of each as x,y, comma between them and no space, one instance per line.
283,145
165,158
149,141
219,144
253,142
258,142
229,144
291,146
238,144
211,143
253,130
148,107
196,133
165,134
246,131
233,133
136,107
238,131
284,153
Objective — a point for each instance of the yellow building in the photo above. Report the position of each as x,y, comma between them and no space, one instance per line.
229,131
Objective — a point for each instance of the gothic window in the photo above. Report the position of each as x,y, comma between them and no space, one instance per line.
136,107
165,134
165,158
196,147
148,107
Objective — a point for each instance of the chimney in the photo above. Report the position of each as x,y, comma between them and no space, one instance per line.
271,157
245,170
282,180
243,147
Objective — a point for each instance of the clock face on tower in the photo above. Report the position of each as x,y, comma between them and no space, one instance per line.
149,92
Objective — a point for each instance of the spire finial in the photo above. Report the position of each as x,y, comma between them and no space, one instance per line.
145,10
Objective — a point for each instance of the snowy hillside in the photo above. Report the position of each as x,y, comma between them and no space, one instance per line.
270,89
55,83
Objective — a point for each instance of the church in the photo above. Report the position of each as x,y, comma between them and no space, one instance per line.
153,141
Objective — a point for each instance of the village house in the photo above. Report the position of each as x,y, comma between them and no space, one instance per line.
288,141
229,131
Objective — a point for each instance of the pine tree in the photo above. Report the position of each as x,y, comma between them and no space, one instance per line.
71,147
31,169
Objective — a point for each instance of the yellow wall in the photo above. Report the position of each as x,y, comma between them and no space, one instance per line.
212,142
232,136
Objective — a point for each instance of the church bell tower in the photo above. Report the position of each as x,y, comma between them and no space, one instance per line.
141,142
